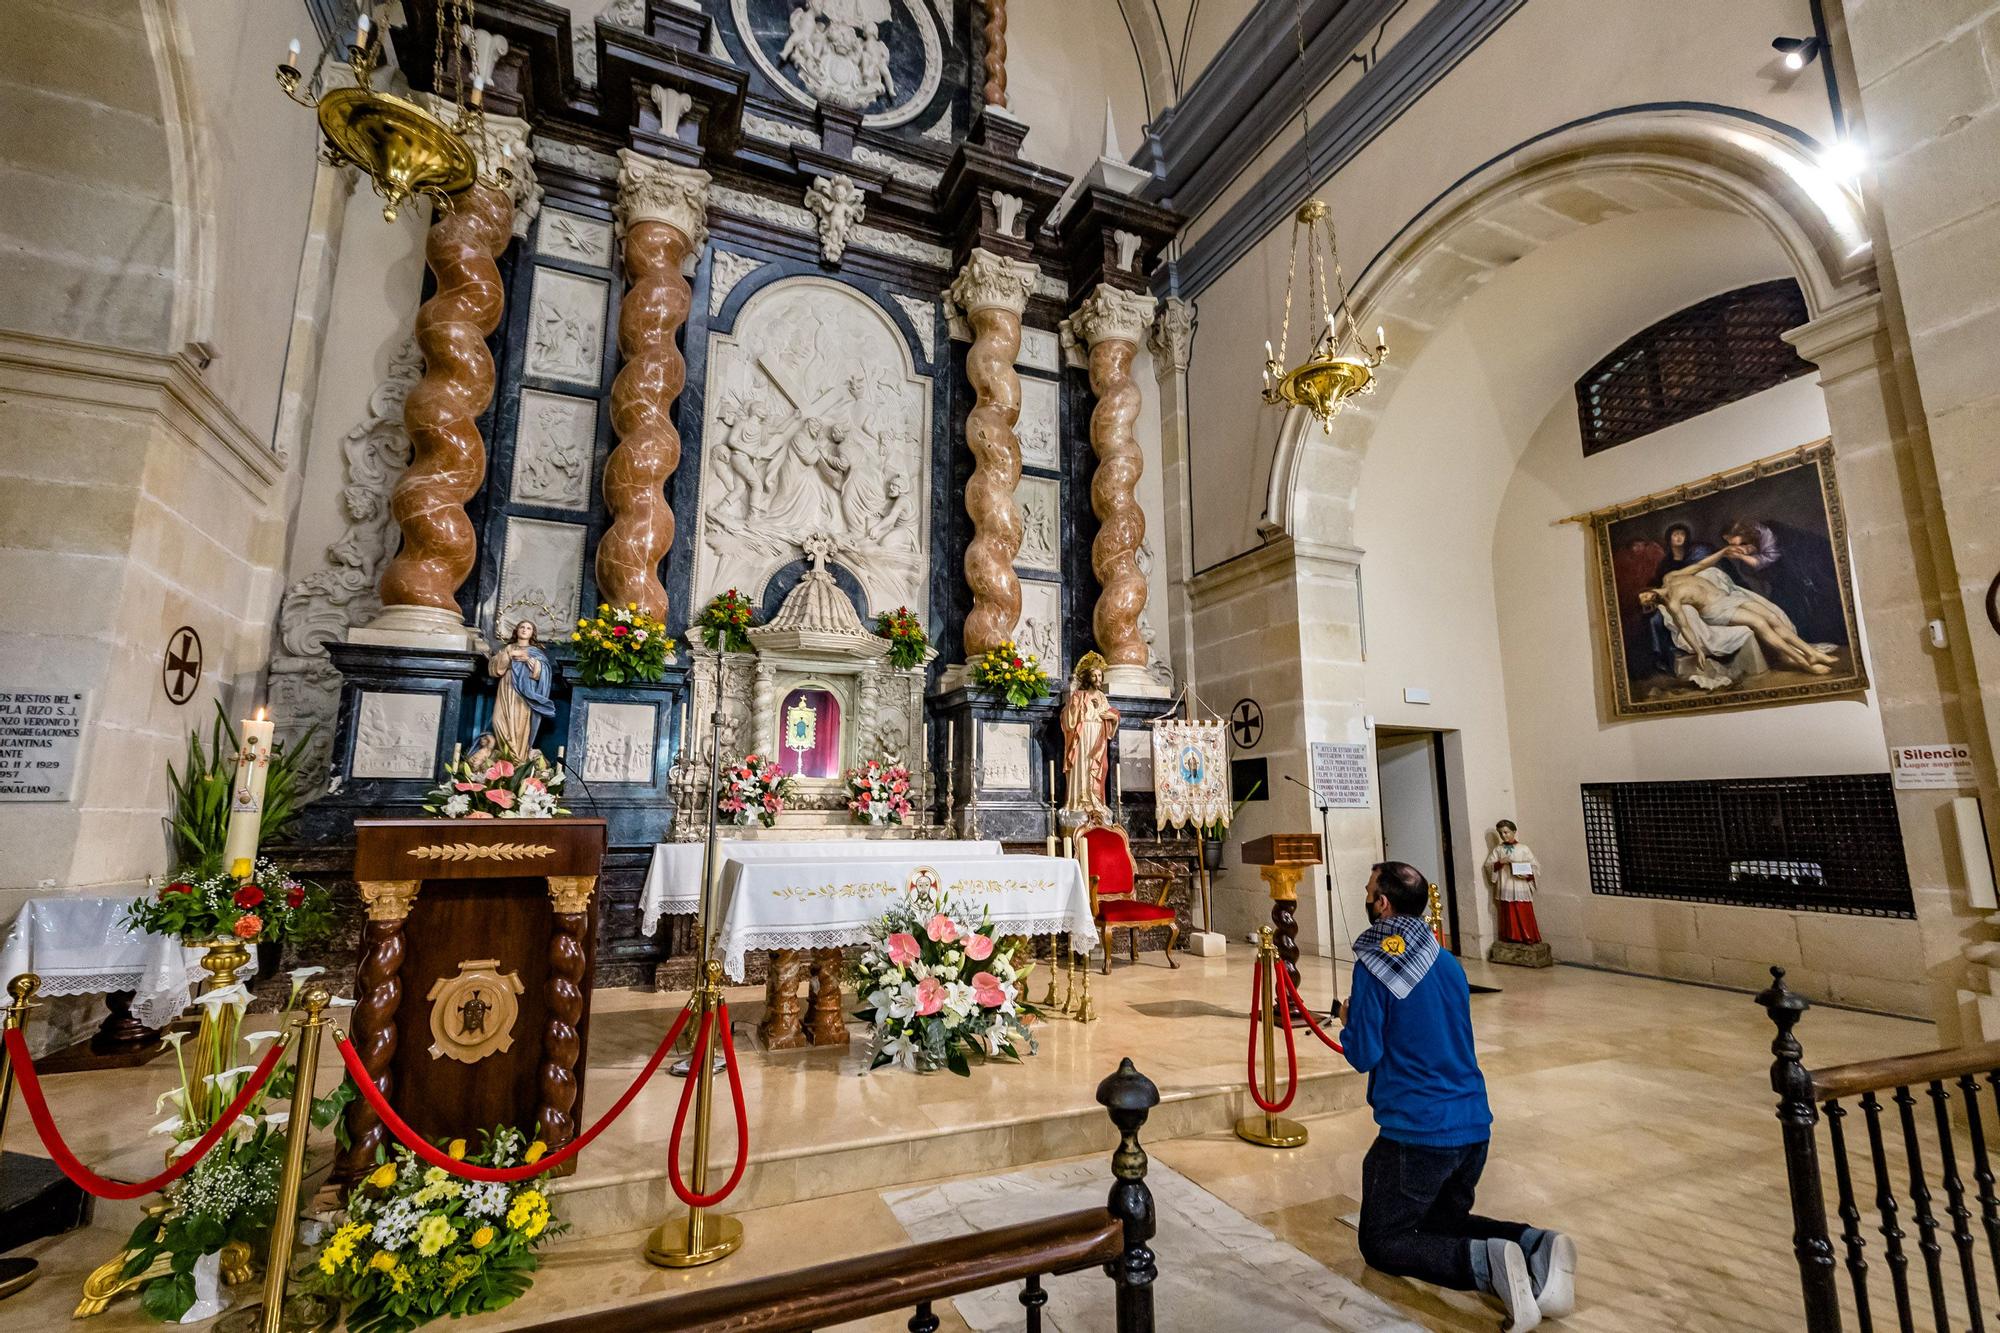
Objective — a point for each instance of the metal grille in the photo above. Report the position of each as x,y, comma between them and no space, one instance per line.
1728,347
1817,844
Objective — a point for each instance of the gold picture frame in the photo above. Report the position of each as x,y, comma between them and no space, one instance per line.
1735,591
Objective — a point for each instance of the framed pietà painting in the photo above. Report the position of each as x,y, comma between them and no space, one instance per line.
1734,591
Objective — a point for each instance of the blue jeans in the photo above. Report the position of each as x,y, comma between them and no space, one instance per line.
1416,1212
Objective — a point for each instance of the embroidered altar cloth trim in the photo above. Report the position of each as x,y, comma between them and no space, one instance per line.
81,946
673,880
779,903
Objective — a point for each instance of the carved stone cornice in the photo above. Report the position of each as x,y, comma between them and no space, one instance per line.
1109,312
1172,338
652,190
503,144
989,281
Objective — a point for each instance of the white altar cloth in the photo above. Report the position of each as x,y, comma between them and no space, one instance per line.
673,880
792,903
81,946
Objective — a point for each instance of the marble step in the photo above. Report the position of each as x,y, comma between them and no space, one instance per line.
598,1203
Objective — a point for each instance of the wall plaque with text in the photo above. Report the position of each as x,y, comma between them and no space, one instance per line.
1340,771
41,741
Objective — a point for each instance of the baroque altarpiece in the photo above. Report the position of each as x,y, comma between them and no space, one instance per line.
773,303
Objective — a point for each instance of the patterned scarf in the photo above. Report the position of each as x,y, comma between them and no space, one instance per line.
1397,951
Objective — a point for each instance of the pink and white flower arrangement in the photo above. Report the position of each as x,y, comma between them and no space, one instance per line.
754,791
939,992
502,789
879,793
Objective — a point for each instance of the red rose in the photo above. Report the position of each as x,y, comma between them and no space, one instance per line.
619,631
248,896
1017,662
295,896
249,927
178,886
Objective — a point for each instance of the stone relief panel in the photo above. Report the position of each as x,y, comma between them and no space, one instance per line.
566,328
1041,349
1040,630
883,58
818,425
1005,756
396,735
619,740
923,317
1040,426
573,236
729,269
1040,501
553,447
541,576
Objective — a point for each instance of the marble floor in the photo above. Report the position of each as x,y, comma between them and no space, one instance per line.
1634,1114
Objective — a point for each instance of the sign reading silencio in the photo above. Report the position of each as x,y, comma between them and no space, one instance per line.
1946,765
41,734
1340,771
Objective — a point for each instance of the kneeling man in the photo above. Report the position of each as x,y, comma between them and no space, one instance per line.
1408,1026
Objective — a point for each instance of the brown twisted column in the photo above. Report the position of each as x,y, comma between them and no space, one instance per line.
562,1047
1112,322
993,291
378,989
448,457
660,209
995,35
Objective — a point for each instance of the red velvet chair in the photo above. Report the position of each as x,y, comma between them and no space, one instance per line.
1115,899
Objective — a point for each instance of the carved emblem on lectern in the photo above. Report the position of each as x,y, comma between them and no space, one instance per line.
473,1013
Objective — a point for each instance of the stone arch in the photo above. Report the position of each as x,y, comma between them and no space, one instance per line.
1556,184
192,163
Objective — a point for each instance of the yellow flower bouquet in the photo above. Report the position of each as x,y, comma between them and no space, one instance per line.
620,644
1018,675
420,1243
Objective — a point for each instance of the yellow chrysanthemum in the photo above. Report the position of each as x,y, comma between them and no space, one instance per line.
434,1233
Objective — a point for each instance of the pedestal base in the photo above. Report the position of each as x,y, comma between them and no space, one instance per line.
1206,944
304,1312
671,1246
1271,1131
1134,682
418,627
1522,955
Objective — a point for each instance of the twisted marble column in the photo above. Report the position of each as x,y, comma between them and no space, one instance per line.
995,37
1112,322
448,457
993,290
661,211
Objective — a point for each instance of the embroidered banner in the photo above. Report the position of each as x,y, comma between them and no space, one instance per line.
1190,774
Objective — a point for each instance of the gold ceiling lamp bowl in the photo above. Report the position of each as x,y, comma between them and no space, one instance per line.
407,151
1337,366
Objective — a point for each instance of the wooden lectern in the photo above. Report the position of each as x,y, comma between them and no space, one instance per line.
1281,858
472,1002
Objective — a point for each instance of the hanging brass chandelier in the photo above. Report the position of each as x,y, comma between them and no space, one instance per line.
405,150
1337,366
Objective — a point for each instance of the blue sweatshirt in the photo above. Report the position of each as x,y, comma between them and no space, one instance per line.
1423,1077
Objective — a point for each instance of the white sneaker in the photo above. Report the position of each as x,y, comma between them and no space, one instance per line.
1558,1294
1508,1279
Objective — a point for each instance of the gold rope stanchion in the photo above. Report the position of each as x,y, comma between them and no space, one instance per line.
703,1237
1085,1011
17,1273
1265,1128
305,1312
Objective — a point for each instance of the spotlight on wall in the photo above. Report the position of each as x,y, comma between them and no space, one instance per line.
1798,51
1844,160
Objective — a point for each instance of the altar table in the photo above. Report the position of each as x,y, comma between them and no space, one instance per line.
673,881
82,946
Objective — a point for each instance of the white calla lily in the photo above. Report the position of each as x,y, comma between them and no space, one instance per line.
236,994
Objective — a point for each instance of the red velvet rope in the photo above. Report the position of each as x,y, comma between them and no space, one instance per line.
1257,1003
83,1176
424,1149
1291,989
687,1196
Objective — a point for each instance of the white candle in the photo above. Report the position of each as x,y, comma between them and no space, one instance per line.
292,54
361,29
246,795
